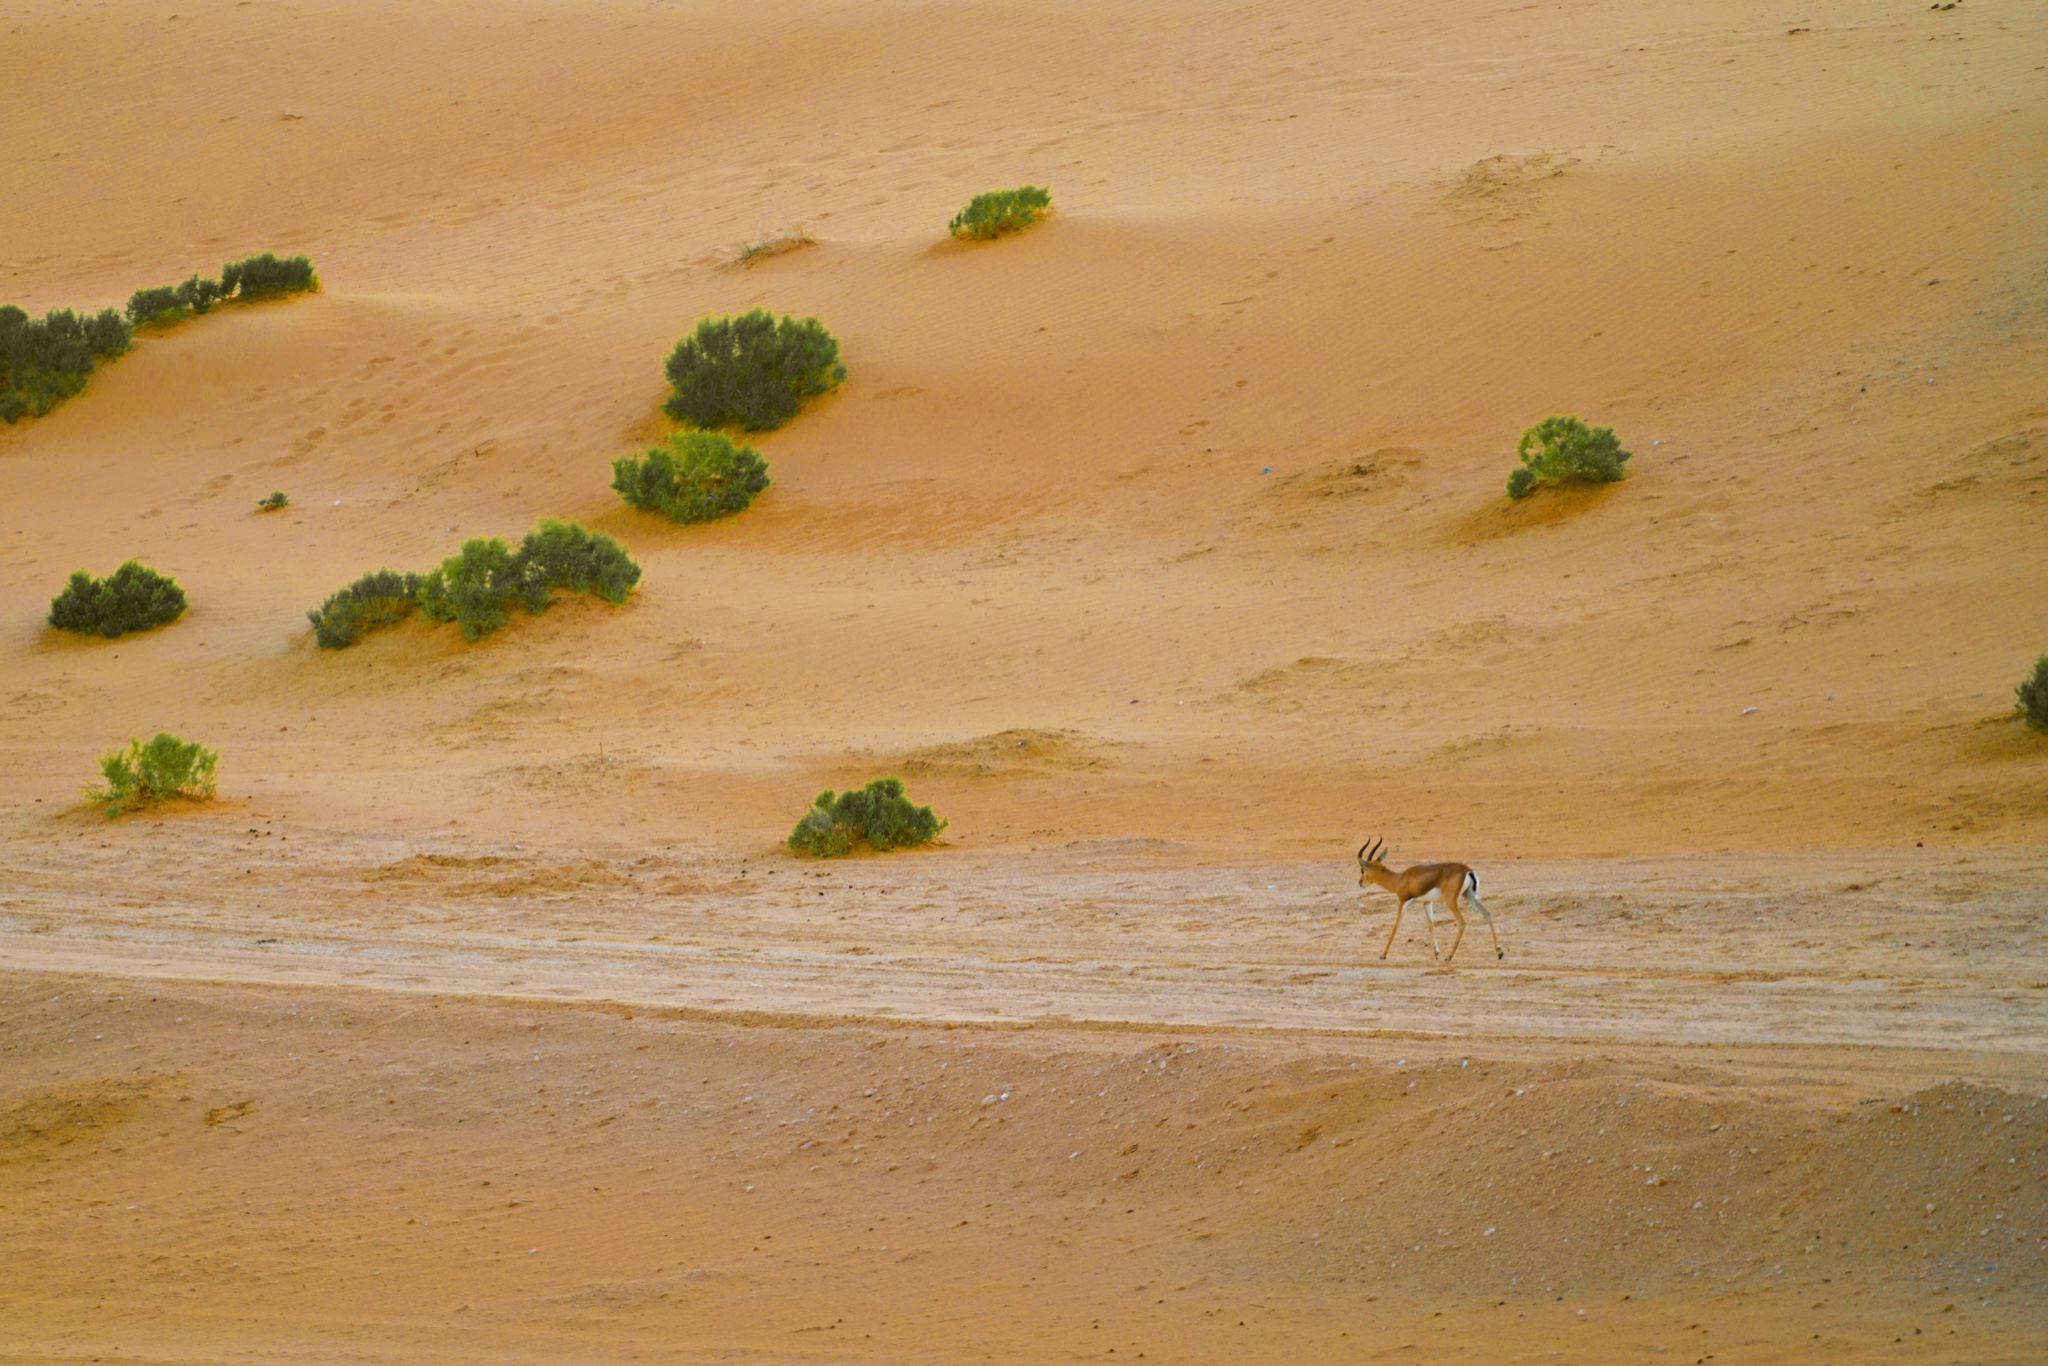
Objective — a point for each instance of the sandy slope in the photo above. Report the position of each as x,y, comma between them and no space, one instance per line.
1162,548
273,1176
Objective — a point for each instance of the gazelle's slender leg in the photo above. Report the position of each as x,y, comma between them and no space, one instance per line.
1400,905
1459,916
1480,906
1429,914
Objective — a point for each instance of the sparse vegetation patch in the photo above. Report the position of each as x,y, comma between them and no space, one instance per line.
878,813
45,360
267,276
132,598
271,502
992,214
773,244
751,371
1564,450
2031,696
145,774
471,587
693,477
476,586
563,555
376,599
256,277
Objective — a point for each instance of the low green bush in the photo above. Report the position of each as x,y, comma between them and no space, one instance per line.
470,588
2031,696
1560,450
132,598
257,277
271,502
476,586
750,371
264,276
563,555
694,477
376,599
144,774
878,813
1000,211
155,306
45,360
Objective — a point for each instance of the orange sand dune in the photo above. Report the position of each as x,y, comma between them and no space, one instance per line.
1163,548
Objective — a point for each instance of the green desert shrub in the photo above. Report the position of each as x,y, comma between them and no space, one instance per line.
561,554
45,360
258,277
470,588
157,304
750,371
1000,211
197,295
144,774
2032,696
695,477
878,813
1561,450
271,502
376,599
132,598
475,587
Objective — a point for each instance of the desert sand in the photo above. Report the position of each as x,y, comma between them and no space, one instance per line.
1163,549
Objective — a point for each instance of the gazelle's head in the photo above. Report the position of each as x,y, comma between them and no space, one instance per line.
1371,859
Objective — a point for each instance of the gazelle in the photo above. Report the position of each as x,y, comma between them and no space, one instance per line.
1452,883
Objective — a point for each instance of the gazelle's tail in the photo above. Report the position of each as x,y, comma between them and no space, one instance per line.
1472,890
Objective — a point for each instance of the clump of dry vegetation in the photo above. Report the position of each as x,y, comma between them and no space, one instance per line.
776,243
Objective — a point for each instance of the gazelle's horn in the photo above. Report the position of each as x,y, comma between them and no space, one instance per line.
1361,852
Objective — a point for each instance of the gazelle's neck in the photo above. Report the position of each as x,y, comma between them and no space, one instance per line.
1380,875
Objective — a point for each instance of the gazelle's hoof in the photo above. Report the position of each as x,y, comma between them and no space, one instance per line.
1500,953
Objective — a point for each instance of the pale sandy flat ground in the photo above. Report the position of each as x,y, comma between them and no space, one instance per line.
1162,548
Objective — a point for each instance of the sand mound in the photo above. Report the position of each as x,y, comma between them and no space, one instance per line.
44,1124
1007,754
1503,187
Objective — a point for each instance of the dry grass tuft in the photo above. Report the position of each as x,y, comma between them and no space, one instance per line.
775,243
